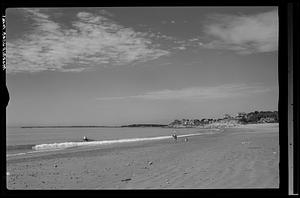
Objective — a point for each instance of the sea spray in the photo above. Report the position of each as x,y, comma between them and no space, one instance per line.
65,145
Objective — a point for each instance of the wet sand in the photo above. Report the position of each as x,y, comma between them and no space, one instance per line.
246,157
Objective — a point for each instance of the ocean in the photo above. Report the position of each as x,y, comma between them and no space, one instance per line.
21,141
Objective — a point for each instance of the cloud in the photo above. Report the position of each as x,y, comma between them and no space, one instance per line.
180,47
187,44
193,39
243,34
198,93
168,22
92,40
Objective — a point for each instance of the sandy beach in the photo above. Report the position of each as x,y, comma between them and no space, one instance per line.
244,157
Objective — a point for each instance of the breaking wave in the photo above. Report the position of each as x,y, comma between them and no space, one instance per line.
65,145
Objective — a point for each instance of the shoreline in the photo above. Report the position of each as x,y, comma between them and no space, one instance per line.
31,148
235,158
120,144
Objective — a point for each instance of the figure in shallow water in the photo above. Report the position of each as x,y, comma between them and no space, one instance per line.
174,135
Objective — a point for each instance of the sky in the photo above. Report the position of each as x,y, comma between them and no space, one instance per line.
114,65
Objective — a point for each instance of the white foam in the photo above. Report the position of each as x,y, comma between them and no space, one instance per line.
64,145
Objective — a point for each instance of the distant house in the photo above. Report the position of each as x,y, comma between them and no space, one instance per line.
227,116
205,121
267,120
197,122
241,117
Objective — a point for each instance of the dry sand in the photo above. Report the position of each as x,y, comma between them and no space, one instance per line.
245,157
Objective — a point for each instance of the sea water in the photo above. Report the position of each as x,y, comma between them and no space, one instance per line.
20,141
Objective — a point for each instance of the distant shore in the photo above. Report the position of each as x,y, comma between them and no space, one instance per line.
95,126
71,126
211,125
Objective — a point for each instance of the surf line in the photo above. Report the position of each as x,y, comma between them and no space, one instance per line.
64,145
106,142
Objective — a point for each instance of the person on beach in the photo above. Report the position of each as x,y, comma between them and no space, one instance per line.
85,138
174,135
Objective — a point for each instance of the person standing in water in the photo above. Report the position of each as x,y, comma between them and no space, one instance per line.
174,135
85,138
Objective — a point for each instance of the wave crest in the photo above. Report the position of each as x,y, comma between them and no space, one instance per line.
64,145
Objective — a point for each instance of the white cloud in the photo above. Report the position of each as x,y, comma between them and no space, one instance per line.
193,39
93,40
180,47
244,34
198,93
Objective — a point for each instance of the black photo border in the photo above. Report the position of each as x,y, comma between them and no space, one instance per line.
285,26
